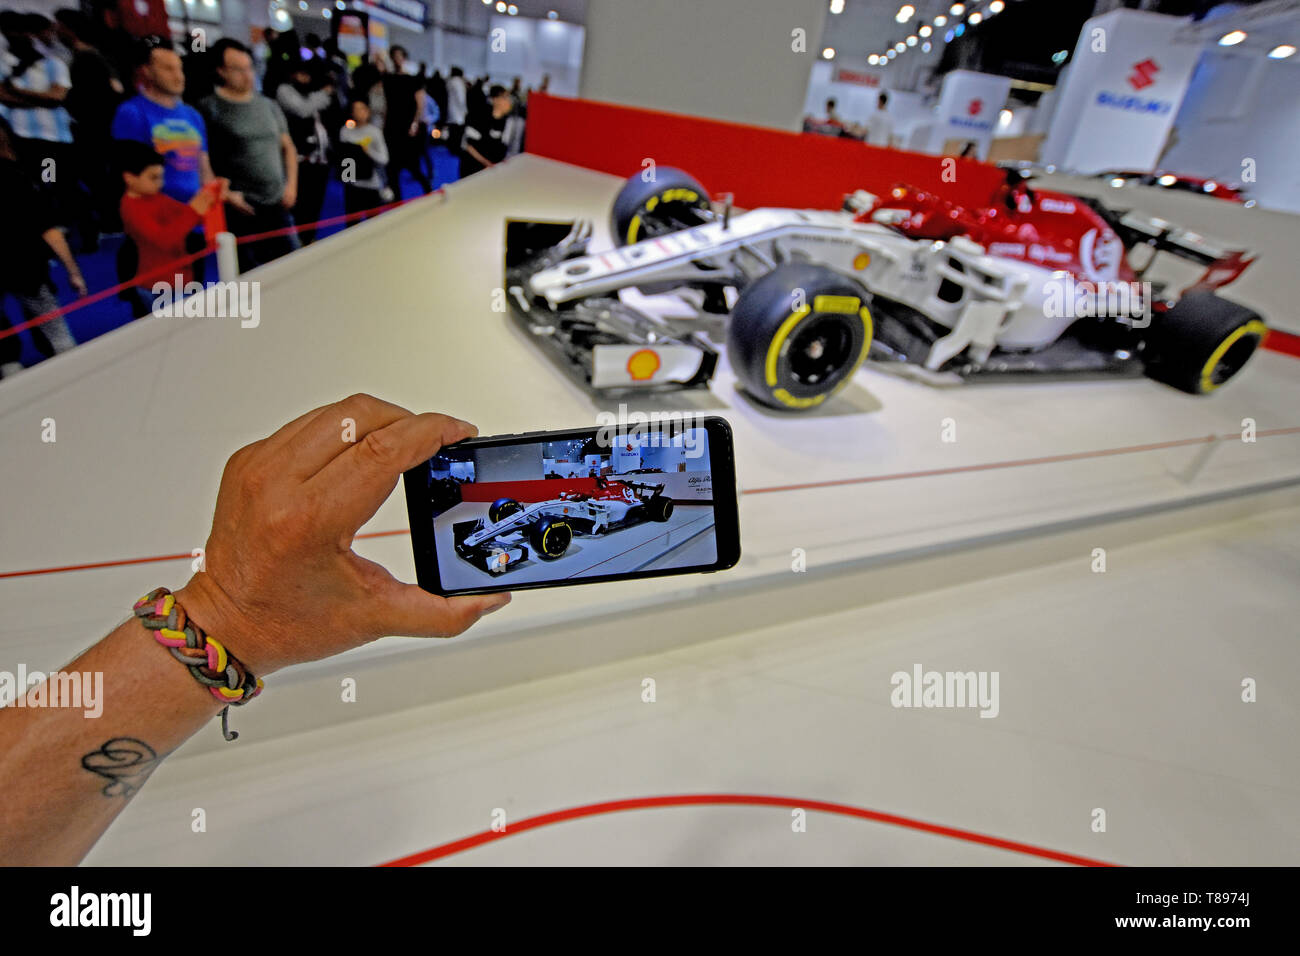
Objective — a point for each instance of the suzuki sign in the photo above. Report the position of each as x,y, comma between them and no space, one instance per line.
1118,100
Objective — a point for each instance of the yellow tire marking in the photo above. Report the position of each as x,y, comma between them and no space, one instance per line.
774,347
1253,327
839,304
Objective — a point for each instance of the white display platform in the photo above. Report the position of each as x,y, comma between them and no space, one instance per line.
401,307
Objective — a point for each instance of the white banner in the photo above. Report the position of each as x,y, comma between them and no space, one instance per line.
1124,87
968,109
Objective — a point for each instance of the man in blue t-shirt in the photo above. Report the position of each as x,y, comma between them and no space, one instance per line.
174,129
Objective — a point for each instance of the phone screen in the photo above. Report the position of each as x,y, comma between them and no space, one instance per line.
574,507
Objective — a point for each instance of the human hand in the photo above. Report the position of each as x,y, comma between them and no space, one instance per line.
236,199
78,282
290,197
281,583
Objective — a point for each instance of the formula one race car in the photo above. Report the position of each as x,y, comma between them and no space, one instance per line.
1034,282
503,539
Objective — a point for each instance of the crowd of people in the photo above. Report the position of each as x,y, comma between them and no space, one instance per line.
102,133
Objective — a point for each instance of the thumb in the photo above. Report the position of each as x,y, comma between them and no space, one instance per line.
412,611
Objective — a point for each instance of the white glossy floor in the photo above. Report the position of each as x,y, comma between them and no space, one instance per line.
790,702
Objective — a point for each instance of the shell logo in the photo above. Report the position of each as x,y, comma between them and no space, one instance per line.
643,364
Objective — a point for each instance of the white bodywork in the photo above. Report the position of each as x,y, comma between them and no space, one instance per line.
987,301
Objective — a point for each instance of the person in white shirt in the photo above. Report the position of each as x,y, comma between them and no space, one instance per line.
457,107
880,126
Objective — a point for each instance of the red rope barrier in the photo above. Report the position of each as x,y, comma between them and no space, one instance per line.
94,297
112,290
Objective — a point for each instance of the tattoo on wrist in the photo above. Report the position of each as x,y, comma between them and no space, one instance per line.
125,762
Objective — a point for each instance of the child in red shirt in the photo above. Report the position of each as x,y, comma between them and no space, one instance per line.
158,224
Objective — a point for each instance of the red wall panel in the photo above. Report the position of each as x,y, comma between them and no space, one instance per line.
530,491
761,167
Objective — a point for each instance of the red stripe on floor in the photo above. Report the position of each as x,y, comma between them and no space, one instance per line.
736,799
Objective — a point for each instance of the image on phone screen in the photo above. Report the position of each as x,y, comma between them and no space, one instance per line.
565,509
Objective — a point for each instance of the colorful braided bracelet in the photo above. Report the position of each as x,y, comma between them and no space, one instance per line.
211,664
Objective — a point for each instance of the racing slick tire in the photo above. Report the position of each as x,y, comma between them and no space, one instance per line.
1201,342
672,202
797,335
550,538
502,508
659,508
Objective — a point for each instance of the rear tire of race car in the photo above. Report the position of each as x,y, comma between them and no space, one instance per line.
1202,342
550,538
659,508
797,335
502,508
670,203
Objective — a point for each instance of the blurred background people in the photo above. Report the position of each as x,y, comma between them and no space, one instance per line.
250,145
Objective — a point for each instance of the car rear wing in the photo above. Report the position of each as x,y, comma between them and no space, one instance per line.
1222,264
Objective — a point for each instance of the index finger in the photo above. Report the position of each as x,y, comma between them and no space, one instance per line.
353,485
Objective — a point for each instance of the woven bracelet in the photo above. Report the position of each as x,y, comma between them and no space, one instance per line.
211,664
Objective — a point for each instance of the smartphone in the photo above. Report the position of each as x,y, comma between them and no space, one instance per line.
578,506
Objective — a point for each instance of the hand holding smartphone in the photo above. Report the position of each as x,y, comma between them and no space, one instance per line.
576,506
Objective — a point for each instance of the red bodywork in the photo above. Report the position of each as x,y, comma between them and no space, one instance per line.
1048,229
1052,230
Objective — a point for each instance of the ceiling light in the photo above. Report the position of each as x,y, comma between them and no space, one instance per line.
327,13
828,53
1005,117
997,6
1233,38
976,18
900,46
1210,186
1117,182
960,29
905,13
892,53
957,9
1168,179
501,6
1281,52
512,10
911,41
302,4
925,47
925,31
940,21
837,6
873,59
947,37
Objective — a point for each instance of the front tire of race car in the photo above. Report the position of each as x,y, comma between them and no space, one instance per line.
1202,342
502,508
797,335
673,201
550,538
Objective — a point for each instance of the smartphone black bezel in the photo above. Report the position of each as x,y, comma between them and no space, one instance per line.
722,461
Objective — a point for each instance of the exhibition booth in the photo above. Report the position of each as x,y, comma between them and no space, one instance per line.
1053,529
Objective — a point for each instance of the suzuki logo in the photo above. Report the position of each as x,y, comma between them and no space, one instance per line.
1143,74
975,107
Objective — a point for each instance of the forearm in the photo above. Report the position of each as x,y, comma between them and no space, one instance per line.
69,771
479,157
55,239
